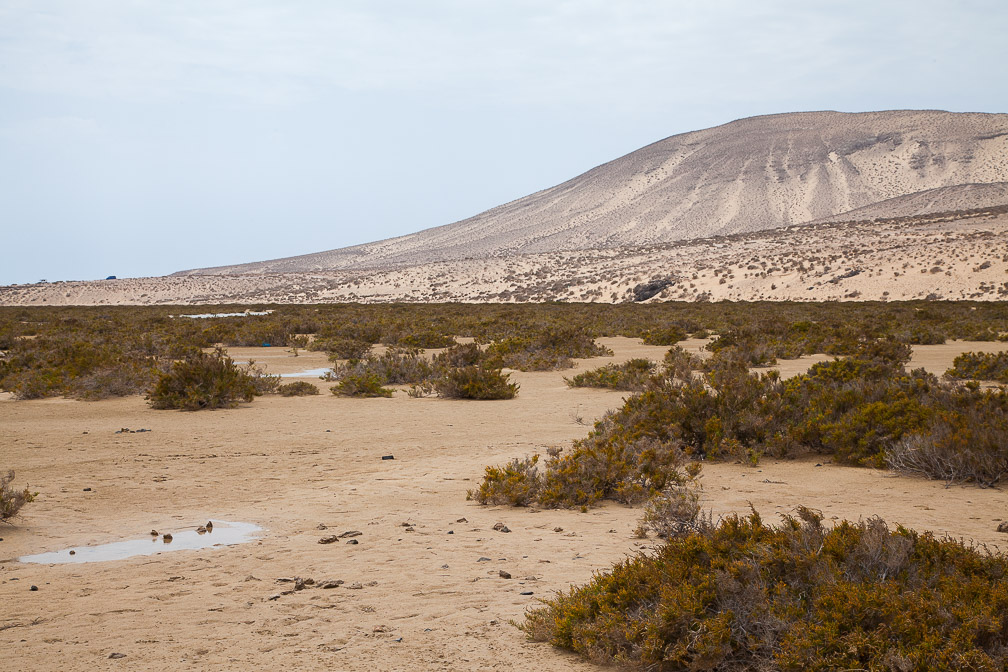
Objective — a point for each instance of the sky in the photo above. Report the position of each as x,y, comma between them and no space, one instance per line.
139,138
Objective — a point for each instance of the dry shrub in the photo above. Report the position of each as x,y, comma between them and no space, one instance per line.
476,382
742,595
11,500
361,385
631,375
299,388
516,483
207,381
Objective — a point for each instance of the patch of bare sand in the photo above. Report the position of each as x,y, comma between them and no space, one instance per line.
293,464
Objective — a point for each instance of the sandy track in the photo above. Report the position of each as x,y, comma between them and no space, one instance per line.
290,465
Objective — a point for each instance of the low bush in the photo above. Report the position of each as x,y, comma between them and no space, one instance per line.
11,499
395,367
299,388
668,335
631,375
742,595
346,349
516,483
361,385
544,350
475,382
460,354
207,381
980,366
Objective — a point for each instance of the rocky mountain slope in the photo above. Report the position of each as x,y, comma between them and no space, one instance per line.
749,175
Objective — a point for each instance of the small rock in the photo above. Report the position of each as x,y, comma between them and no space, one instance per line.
409,529
483,559
504,575
73,552
326,585
352,541
449,532
33,588
155,533
501,527
1003,527
299,583
355,586
525,592
461,520
328,540
350,533
321,526
87,489
397,639
201,530
116,656
167,537
558,529
209,526
388,457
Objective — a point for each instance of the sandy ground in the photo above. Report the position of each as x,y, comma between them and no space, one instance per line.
431,596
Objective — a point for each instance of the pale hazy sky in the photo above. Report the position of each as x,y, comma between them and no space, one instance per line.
141,138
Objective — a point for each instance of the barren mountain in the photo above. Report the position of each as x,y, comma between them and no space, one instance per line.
749,175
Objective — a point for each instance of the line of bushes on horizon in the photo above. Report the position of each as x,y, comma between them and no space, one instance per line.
96,352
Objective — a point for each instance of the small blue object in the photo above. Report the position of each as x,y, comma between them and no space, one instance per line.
111,277
266,345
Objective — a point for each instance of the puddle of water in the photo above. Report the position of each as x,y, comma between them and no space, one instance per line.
308,373
224,533
203,316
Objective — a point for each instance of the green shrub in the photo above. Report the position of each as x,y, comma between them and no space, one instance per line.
460,354
207,381
544,350
631,375
669,335
12,500
346,349
394,367
299,388
980,366
517,483
744,595
361,385
476,382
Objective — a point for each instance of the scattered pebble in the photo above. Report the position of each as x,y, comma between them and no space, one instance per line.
87,489
321,526
326,585
73,552
461,520
328,540
1003,527
525,592
155,533
483,559
33,588
355,586
167,537
558,529
116,656
350,533
352,541
501,527
504,575
388,457
449,532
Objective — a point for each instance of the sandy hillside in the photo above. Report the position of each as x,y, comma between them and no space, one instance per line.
943,256
749,175
422,589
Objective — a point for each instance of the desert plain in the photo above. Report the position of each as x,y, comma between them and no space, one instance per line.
423,589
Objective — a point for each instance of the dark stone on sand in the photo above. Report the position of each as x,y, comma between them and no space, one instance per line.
353,541
328,540
33,588
483,559
388,457
326,585
1003,527
350,533
116,656
87,489
504,575
525,592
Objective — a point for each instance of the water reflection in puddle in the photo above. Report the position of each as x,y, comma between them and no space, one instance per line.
224,533
309,373
247,313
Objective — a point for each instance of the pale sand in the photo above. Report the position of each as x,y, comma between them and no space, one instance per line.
274,464
962,258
